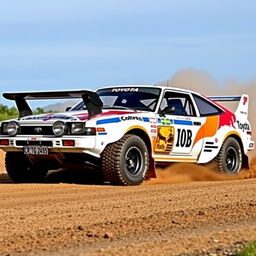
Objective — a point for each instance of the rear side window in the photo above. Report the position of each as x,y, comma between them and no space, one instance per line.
205,107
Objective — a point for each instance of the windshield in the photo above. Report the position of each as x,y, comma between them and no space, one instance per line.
127,98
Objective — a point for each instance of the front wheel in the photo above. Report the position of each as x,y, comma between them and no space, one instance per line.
126,161
20,169
229,160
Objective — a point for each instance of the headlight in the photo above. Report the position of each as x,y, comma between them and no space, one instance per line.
77,128
12,128
90,131
59,128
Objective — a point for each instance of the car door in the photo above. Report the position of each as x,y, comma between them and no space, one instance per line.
177,126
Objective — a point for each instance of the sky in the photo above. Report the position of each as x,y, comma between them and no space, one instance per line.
60,44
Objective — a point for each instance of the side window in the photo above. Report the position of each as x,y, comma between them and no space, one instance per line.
178,104
205,107
149,103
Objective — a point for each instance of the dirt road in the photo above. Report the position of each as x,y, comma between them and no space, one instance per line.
193,218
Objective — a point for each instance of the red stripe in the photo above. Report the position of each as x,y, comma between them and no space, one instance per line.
84,116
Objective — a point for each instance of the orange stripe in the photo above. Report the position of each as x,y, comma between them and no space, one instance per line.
231,133
137,127
208,129
176,159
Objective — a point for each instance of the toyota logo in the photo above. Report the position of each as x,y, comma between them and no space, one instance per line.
38,129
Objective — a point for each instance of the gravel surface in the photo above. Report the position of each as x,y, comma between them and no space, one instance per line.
214,217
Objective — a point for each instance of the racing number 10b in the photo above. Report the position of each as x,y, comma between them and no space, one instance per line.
184,138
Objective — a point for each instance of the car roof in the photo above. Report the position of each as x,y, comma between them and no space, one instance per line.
149,85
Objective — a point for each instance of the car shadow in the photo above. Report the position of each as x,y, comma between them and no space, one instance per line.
75,176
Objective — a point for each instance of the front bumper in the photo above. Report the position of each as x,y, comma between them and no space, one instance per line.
54,144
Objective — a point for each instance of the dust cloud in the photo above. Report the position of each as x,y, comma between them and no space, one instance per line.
187,172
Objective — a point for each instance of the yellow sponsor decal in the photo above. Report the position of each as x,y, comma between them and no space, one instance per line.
164,140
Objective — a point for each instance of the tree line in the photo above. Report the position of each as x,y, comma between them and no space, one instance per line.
12,112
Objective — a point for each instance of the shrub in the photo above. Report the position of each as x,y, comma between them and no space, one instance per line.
248,250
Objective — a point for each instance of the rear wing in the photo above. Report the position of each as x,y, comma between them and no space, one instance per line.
90,98
243,105
225,98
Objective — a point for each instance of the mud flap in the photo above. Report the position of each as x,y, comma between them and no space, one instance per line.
152,169
245,163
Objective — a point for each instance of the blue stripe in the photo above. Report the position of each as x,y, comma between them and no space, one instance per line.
109,120
183,122
102,133
145,119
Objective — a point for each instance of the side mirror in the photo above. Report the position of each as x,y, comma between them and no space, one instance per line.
168,110
68,108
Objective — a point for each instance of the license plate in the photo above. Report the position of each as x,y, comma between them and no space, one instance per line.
36,150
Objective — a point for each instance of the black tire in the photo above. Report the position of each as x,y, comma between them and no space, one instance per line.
20,169
126,161
229,160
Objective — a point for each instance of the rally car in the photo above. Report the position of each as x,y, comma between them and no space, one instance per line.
126,131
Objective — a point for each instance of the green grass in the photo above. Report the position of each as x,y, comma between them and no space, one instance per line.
248,250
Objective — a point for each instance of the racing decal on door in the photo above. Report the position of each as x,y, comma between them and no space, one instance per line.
164,140
184,138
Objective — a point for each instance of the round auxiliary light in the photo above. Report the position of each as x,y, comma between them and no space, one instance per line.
59,128
12,128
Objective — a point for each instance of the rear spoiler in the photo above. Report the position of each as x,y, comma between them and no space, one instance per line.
91,99
225,98
242,109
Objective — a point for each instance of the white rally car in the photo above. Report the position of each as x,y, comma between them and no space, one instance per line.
125,131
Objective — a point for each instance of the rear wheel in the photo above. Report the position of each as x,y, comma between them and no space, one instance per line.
21,169
126,161
229,160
